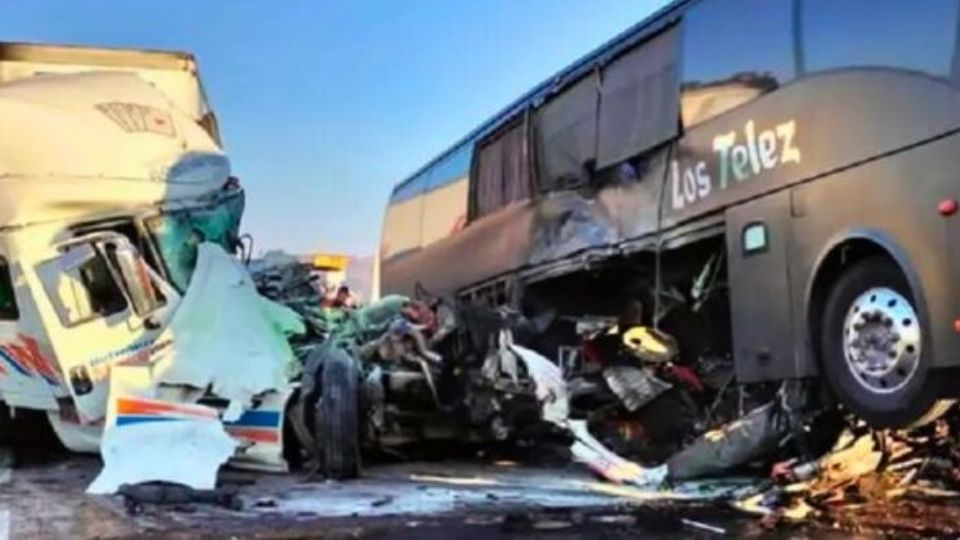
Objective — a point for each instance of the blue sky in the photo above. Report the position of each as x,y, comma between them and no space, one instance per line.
325,104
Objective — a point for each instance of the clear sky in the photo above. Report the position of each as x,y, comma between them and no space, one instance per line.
325,104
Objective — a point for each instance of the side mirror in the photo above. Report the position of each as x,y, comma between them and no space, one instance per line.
127,263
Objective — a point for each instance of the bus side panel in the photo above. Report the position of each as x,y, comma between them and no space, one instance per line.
402,225
758,255
813,126
892,202
444,211
498,243
553,228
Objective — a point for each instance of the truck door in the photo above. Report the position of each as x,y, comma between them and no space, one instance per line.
28,376
110,307
758,250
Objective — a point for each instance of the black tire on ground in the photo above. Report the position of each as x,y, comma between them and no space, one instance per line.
338,416
918,401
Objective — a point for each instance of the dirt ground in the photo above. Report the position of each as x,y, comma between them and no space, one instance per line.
445,499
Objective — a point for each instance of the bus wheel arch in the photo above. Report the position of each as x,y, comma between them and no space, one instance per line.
851,275
835,260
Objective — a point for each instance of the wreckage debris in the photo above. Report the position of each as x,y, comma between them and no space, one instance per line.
167,494
872,479
414,370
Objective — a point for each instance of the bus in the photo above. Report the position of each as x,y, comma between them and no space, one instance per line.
774,182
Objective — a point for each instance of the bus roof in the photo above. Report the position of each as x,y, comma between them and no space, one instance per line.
595,58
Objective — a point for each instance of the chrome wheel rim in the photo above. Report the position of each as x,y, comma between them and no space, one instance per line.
882,340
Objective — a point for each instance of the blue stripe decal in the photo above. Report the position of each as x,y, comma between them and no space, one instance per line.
126,420
270,419
13,363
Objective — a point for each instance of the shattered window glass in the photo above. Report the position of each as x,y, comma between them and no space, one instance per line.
8,301
177,240
178,234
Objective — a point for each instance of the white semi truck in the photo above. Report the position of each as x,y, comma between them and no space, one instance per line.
111,175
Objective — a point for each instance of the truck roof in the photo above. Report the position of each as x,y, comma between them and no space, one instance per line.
83,144
96,56
175,73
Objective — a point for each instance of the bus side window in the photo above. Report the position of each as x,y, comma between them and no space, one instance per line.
734,51
910,36
8,301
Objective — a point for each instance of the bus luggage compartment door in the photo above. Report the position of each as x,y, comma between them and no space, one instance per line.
758,242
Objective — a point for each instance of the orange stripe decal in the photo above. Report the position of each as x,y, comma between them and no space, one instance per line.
146,406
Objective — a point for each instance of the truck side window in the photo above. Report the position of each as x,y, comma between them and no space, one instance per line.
106,298
8,301
82,289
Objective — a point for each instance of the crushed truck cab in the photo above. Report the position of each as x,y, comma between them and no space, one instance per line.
111,177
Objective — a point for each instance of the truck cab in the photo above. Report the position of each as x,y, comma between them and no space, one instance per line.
111,175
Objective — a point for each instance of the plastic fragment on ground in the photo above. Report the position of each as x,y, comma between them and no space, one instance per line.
188,450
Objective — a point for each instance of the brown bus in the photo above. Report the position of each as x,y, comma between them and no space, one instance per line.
774,182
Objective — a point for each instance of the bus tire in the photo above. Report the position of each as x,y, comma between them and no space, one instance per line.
338,416
872,348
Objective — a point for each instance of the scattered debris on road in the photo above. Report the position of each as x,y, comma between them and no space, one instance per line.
426,371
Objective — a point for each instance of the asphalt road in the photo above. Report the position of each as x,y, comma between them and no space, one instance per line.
422,500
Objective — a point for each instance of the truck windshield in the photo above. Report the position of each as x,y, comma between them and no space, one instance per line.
178,233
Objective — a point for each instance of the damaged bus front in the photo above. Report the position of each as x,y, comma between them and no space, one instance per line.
113,176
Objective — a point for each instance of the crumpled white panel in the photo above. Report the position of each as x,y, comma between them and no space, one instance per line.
185,451
224,335
551,388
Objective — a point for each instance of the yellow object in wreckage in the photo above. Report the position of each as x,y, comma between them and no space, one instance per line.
649,344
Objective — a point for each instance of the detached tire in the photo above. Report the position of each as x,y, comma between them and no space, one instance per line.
873,347
338,416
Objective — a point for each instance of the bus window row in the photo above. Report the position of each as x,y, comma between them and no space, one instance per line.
720,55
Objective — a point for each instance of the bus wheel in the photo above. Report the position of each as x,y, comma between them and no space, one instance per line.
872,348
338,417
